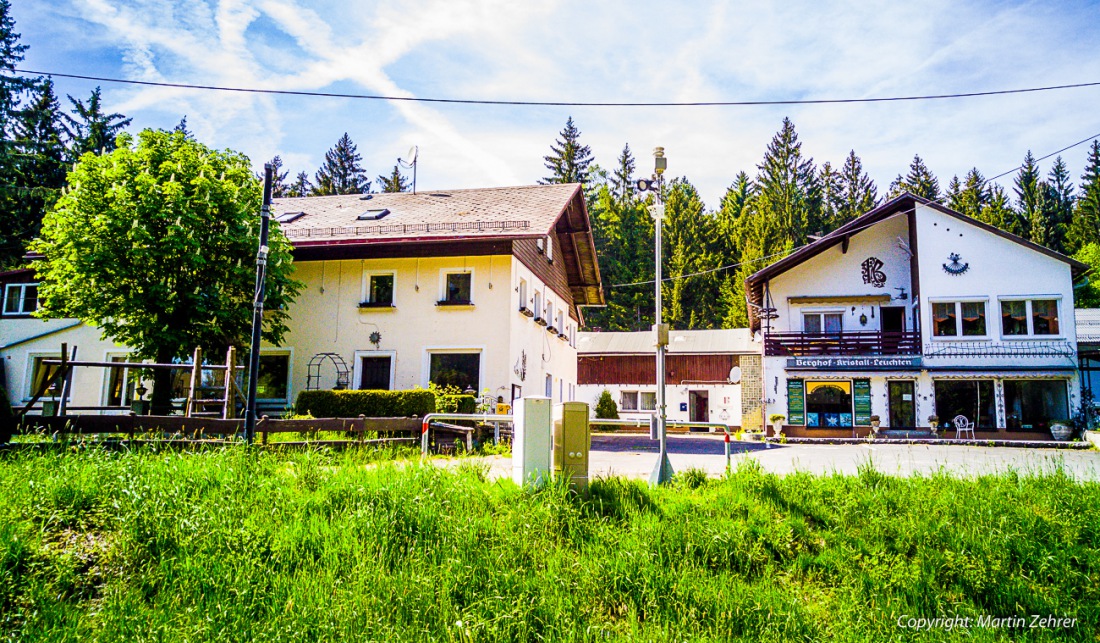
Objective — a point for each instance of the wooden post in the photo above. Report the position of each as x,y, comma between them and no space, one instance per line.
229,411
66,382
196,377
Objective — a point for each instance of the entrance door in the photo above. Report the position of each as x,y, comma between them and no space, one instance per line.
903,408
698,406
375,373
893,319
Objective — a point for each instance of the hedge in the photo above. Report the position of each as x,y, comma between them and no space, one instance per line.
350,404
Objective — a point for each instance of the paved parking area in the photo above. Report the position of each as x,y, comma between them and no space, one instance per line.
635,455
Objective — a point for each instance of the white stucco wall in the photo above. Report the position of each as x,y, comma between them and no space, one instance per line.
723,400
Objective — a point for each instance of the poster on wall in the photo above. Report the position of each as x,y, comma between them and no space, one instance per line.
861,400
796,402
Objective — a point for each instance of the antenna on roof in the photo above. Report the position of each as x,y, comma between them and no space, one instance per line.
410,162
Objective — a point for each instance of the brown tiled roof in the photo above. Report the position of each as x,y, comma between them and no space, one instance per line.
524,211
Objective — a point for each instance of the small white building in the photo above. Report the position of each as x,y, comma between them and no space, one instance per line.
704,373
477,289
914,310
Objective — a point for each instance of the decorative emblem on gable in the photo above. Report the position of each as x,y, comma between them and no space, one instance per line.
954,266
872,272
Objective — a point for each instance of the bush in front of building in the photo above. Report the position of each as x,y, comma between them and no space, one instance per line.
350,404
606,409
459,403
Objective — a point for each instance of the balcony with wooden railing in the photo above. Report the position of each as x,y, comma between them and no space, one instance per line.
861,342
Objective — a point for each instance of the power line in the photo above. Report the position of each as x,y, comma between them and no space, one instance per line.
1043,158
525,103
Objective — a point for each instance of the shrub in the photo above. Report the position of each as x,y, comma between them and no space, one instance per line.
606,409
349,404
455,404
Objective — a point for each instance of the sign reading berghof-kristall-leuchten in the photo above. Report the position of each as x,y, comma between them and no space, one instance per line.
871,363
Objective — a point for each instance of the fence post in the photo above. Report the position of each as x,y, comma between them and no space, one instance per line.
66,384
230,409
196,375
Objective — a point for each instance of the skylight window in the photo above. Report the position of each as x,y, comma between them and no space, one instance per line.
373,215
287,217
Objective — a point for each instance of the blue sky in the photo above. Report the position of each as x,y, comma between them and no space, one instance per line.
586,51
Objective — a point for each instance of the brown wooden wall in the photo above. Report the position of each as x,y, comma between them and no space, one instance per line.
642,369
553,275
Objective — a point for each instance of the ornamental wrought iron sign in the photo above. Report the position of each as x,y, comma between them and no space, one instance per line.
954,266
520,369
872,272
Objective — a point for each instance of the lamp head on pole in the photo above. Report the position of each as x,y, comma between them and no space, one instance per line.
660,162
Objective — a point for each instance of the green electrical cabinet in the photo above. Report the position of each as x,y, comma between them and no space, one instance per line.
572,443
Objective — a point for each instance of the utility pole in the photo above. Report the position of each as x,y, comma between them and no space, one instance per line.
662,472
258,310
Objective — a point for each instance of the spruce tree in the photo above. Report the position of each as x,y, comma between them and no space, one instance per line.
569,160
858,192
341,172
832,189
972,197
1085,227
691,302
1030,195
1059,206
279,187
395,182
41,161
732,210
622,179
301,186
998,211
90,129
788,187
13,232
919,181
181,127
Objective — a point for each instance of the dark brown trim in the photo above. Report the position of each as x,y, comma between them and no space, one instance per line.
914,270
404,249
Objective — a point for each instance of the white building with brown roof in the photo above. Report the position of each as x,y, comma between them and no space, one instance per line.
478,289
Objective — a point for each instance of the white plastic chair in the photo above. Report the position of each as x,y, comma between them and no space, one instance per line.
962,426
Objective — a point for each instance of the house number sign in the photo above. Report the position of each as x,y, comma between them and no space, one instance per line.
872,272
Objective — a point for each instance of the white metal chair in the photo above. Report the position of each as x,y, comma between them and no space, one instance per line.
963,426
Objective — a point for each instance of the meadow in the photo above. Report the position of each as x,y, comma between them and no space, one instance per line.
360,545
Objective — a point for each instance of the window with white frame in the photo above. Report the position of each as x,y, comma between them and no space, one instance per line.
959,319
121,382
538,307
458,288
628,401
638,401
647,400
378,288
822,322
549,311
522,295
561,323
460,369
274,376
20,299
42,373
1030,317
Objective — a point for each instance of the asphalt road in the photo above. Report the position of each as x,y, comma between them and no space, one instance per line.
634,456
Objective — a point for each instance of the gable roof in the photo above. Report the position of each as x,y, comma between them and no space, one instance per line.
904,203
511,212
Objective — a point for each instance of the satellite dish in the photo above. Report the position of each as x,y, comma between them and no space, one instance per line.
757,337
735,375
414,151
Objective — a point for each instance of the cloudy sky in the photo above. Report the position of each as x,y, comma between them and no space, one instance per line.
568,50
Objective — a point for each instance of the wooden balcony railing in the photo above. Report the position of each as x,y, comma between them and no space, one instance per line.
862,342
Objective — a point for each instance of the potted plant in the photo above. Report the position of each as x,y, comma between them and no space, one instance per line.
934,422
777,420
875,422
1061,430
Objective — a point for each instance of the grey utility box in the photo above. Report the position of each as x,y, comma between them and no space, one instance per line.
572,443
532,438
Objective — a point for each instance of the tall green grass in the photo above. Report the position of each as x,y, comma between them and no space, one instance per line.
236,545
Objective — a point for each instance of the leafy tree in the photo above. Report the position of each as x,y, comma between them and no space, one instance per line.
279,187
919,181
395,182
1089,296
341,172
155,244
568,160
606,409
301,186
1085,227
92,130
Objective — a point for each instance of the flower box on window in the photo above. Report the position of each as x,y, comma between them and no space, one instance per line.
454,302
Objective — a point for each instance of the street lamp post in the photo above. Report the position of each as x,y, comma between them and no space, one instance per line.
258,309
662,472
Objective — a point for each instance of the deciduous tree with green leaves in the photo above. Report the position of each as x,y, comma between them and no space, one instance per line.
155,243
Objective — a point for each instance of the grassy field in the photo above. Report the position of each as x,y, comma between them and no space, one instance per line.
239,546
